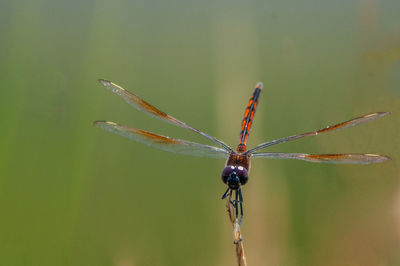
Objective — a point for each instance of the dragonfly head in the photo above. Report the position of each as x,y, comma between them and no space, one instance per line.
234,176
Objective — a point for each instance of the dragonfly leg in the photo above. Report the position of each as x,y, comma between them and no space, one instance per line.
230,197
236,205
238,201
241,205
226,193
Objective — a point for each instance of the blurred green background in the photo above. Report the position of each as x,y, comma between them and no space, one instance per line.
72,194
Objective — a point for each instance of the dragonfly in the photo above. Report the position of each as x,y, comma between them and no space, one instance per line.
237,166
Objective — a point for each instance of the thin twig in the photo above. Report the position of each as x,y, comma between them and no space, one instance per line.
237,236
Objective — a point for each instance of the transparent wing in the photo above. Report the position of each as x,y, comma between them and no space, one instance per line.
147,108
343,125
350,158
163,142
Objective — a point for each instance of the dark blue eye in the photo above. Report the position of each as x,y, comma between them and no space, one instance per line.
235,171
227,173
242,174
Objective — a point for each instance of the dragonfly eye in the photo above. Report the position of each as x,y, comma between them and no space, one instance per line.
234,176
242,174
226,173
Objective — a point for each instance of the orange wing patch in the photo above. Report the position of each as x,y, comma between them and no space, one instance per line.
155,137
145,107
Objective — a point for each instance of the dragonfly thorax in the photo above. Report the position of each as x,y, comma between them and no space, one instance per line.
234,176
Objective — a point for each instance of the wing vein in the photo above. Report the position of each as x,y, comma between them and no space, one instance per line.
349,158
163,142
147,108
356,121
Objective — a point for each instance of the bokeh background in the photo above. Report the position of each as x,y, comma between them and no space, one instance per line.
72,194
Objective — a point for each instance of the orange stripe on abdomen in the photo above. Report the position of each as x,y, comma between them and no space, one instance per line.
248,118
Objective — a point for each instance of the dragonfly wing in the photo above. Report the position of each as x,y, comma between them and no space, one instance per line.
163,142
343,125
147,108
349,158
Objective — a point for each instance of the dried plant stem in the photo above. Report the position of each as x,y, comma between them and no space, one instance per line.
237,236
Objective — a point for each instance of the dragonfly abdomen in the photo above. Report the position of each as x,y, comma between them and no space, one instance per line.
248,118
